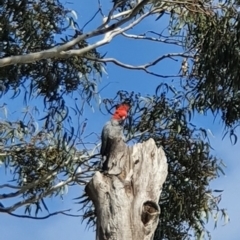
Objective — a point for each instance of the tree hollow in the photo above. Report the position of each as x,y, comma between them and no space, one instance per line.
126,197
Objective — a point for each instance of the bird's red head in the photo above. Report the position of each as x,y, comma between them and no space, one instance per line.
121,111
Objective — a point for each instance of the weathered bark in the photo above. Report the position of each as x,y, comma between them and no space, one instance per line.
126,198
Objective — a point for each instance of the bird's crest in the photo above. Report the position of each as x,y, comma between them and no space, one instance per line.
121,111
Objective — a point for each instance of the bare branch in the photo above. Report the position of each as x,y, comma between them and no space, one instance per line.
108,37
163,76
145,66
60,51
144,37
106,21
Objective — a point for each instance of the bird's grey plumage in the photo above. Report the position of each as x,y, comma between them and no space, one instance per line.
113,132
112,129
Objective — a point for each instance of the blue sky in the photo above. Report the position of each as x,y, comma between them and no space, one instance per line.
132,52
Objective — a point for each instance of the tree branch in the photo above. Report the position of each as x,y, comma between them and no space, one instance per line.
42,195
60,51
23,189
108,37
48,176
144,37
44,178
131,12
144,67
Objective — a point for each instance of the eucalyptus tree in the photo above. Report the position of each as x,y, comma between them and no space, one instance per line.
51,63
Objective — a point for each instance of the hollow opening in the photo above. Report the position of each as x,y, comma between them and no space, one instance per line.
150,209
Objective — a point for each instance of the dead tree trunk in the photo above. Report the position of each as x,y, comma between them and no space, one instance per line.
126,198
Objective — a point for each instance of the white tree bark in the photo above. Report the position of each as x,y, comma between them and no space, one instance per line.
126,198
65,51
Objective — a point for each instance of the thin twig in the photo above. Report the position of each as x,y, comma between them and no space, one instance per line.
41,218
9,186
91,19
